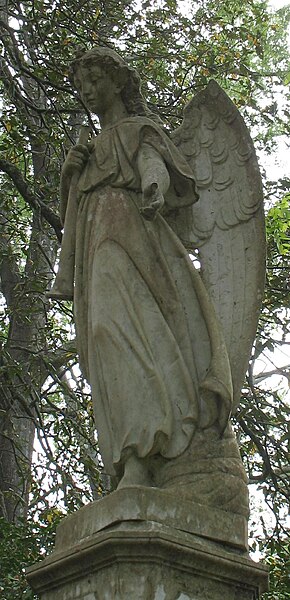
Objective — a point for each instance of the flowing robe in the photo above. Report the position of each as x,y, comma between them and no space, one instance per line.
148,340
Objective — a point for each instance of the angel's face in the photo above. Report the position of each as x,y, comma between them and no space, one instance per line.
97,89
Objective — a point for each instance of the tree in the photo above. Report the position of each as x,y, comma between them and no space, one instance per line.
239,44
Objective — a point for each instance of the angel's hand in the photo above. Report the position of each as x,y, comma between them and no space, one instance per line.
75,160
153,201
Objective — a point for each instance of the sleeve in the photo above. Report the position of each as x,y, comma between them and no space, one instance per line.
182,190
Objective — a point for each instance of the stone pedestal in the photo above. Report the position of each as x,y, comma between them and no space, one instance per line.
140,544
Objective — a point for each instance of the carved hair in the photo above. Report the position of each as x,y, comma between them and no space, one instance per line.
113,64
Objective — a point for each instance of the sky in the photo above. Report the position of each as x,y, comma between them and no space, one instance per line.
278,3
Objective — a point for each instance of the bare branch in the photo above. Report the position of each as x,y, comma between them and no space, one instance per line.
32,200
283,371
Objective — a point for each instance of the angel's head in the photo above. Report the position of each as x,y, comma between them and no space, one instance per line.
110,74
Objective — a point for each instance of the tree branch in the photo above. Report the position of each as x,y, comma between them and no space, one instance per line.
31,199
9,271
267,470
283,371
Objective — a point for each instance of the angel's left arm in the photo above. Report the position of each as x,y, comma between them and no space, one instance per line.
155,180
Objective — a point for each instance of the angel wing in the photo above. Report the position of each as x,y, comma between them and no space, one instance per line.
227,222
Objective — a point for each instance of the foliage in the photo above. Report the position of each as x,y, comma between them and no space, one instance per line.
278,560
243,45
23,544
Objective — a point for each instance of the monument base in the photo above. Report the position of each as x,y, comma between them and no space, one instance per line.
141,558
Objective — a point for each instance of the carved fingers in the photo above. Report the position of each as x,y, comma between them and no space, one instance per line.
75,161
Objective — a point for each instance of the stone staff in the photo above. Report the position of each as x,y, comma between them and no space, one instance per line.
62,288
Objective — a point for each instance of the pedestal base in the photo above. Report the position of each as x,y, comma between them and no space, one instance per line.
138,559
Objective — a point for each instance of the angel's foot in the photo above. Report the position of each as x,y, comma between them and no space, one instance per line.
135,473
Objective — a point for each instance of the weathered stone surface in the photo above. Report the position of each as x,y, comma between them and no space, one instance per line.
142,504
147,561
161,346
164,349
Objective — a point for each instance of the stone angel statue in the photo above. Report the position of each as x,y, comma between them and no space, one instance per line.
164,344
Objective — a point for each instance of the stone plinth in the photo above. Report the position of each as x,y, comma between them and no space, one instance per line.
152,504
120,548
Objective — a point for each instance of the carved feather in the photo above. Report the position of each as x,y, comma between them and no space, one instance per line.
227,223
